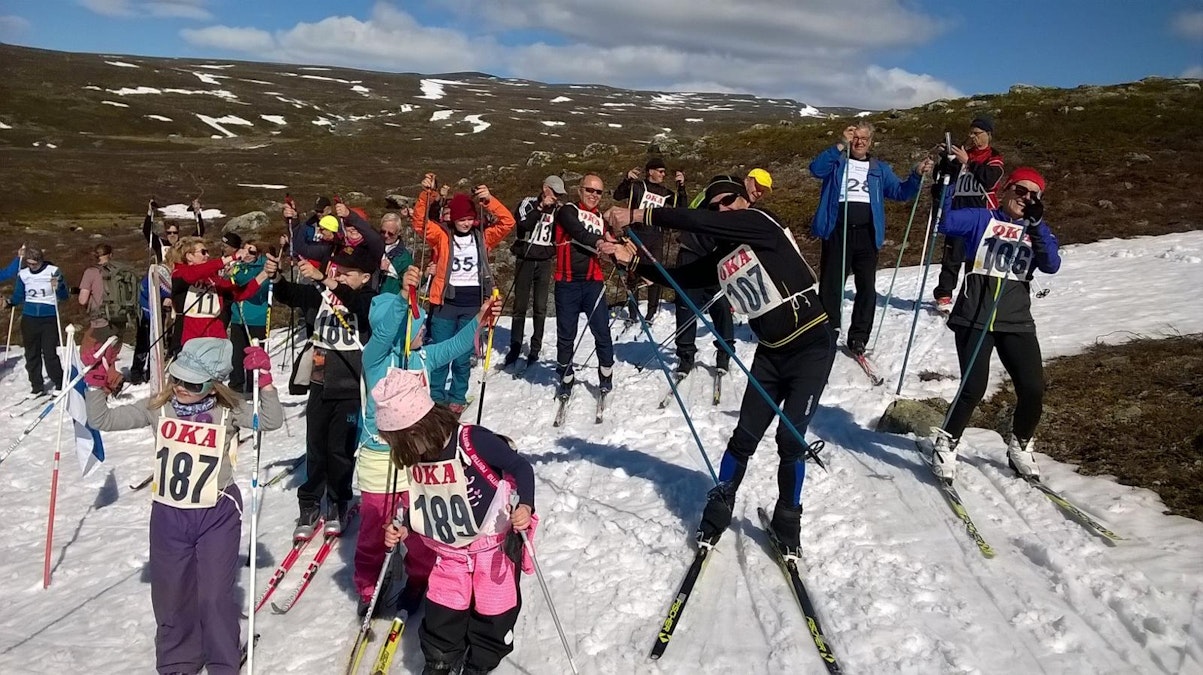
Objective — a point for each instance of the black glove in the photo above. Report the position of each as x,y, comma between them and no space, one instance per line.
1034,211
513,548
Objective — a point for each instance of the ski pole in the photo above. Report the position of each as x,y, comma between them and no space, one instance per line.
58,445
930,236
385,569
254,553
530,550
61,395
902,249
937,213
839,321
789,424
688,325
484,378
596,304
8,341
673,385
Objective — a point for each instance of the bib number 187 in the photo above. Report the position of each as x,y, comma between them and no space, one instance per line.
176,479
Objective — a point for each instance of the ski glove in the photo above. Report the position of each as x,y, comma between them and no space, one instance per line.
1034,211
255,358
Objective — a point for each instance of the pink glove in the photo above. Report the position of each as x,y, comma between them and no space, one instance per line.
255,358
97,377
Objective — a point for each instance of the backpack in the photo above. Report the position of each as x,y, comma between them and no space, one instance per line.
120,303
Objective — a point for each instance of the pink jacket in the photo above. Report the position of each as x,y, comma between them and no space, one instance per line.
482,571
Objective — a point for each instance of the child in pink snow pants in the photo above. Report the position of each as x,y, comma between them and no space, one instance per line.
462,479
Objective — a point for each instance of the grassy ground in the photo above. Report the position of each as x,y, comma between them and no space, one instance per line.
1133,411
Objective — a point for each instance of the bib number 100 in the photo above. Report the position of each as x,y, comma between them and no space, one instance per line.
441,517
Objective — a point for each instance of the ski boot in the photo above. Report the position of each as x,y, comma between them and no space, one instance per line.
307,523
943,455
716,516
336,519
564,389
605,379
1022,459
511,357
856,346
787,529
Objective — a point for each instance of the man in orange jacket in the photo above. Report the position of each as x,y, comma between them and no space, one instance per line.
462,276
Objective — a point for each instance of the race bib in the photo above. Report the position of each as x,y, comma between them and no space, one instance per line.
202,304
1004,252
440,507
967,186
542,233
335,328
592,221
651,200
188,462
856,188
465,265
746,283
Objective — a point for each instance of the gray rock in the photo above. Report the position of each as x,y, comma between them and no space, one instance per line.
976,103
1024,89
247,222
1106,204
1137,157
598,149
935,105
570,178
663,144
355,198
909,416
538,158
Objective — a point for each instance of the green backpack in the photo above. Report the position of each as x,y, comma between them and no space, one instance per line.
120,302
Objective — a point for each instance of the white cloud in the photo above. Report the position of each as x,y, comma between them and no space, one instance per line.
1194,72
1188,25
801,49
164,9
12,26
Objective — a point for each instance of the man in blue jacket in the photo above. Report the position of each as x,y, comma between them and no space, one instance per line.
851,221
39,289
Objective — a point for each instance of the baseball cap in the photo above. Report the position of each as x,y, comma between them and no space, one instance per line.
762,178
556,184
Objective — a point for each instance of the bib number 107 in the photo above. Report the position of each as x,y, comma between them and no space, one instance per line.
748,290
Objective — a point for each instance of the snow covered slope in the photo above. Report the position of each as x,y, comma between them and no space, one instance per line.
898,585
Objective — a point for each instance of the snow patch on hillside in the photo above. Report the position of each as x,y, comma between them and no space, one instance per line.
218,122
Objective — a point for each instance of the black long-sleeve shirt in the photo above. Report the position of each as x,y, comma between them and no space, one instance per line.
342,369
771,264
159,244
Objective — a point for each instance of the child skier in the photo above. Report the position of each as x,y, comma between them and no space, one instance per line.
196,517
461,481
380,485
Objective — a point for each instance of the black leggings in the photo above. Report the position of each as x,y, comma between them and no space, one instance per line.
1020,355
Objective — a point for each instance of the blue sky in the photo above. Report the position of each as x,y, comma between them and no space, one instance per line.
862,53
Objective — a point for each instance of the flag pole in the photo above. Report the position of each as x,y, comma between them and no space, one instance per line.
58,445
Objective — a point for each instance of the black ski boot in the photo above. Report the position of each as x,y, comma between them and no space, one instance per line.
716,516
787,528
437,668
511,357
605,379
684,366
564,389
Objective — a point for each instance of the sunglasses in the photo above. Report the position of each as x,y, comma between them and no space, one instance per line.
1022,192
386,233
727,200
592,191
172,233
203,251
194,387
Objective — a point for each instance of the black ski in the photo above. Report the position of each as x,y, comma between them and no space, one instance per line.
718,387
562,410
668,398
599,417
678,605
789,566
296,464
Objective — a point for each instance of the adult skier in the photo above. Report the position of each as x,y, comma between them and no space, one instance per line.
1008,244
759,266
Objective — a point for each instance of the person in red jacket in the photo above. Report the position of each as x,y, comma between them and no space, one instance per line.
462,278
203,303
975,188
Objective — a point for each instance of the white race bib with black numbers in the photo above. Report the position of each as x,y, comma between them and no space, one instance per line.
465,263
188,461
592,221
335,328
1005,251
856,189
746,283
542,233
440,507
204,304
651,200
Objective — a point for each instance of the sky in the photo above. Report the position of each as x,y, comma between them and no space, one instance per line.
856,53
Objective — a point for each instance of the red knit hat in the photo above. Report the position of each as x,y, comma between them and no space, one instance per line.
461,207
1026,173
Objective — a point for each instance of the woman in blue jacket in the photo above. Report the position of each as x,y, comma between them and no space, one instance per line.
855,186
1004,246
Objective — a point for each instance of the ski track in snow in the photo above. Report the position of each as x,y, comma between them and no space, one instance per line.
898,585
